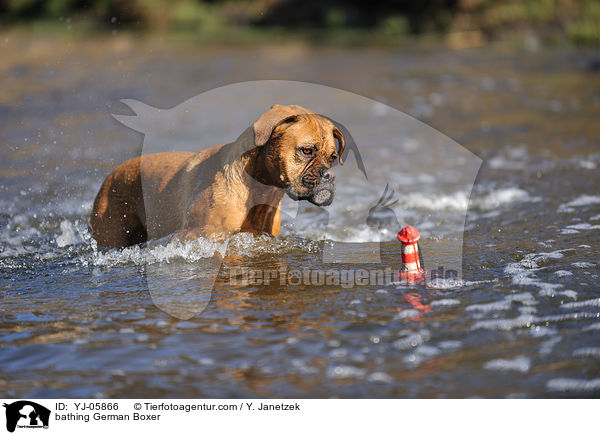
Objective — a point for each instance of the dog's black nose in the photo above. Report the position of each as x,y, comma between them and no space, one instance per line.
328,176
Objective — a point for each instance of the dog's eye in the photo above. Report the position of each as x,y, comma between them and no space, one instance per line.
307,151
332,158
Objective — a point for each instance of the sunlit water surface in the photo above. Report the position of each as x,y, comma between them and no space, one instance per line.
524,321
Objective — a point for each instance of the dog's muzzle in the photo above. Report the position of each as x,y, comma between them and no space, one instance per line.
325,190
322,192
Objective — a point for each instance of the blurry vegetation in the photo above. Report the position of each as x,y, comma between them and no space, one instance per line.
462,21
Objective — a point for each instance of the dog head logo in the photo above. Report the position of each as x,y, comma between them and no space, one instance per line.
389,160
26,414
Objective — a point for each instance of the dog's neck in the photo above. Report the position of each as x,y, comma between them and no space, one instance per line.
245,164
246,182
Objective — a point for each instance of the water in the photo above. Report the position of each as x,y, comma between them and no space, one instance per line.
524,320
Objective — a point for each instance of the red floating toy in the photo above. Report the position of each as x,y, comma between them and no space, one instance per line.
411,267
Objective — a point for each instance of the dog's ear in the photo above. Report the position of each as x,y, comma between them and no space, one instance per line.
276,115
337,134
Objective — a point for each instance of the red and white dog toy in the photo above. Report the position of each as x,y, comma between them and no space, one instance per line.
411,267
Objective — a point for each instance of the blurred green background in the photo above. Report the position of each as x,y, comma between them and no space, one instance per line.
460,23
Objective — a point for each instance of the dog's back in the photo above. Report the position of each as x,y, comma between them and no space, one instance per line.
118,217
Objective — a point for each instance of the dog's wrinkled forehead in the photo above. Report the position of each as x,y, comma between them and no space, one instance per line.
307,128
278,115
264,126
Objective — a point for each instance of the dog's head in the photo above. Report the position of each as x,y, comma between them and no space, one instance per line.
300,149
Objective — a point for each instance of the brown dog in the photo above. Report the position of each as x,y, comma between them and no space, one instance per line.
222,190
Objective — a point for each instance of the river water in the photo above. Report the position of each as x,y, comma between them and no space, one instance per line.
518,316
